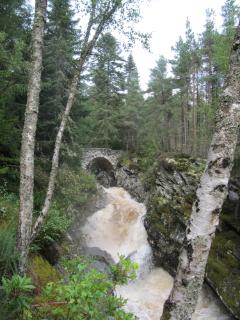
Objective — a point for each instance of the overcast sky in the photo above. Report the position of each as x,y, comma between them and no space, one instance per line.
166,20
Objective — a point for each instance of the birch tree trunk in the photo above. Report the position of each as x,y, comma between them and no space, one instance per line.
28,136
210,196
87,48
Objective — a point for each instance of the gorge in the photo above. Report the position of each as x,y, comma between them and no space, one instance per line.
117,227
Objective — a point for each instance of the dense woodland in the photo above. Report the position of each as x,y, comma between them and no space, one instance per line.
176,114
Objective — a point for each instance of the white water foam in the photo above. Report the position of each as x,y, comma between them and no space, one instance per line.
119,230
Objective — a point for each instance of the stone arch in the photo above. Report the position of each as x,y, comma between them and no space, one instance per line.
102,162
103,169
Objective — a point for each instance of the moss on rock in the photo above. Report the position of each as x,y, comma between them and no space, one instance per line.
172,184
41,271
223,269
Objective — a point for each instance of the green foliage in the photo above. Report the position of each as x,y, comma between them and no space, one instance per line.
16,296
58,64
124,271
54,228
104,101
41,272
131,110
75,187
14,41
8,214
8,252
83,294
223,268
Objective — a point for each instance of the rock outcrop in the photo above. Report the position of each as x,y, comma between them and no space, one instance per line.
168,189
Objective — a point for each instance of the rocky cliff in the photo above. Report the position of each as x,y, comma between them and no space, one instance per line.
168,190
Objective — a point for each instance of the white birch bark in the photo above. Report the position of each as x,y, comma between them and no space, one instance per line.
210,196
28,137
88,46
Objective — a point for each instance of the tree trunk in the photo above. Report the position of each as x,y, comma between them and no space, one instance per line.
88,46
55,160
210,196
28,137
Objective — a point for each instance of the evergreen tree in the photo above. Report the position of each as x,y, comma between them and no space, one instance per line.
132,109
209,84
208,42
14,42
59,48
157,129
105,95
230,14
181,71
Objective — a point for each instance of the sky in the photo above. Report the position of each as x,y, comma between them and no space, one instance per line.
166,20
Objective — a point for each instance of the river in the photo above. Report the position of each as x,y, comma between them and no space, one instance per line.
119,230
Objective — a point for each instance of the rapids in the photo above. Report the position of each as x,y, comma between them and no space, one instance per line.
119,230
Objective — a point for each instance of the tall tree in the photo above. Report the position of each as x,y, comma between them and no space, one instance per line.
181,71
185,67
105,95
102,14
28,136
230,14
14,42
208,42
60,45
158,111
211,193
132,108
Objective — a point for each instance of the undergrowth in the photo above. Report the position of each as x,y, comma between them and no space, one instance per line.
81,293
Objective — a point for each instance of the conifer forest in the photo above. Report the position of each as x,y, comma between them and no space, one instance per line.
118,201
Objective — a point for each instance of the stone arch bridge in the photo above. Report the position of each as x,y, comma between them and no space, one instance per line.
102,162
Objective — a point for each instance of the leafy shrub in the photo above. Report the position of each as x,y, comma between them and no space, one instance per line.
55,226
75,187
16,297
84,294
124,271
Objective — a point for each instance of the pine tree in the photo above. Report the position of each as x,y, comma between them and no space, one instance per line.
208,42
230,14
132,109
59,47
14,47
186,67
158,111
106,93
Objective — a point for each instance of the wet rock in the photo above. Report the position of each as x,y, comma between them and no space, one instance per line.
52,252
99,254
168,189
130,180
172,186
102,260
